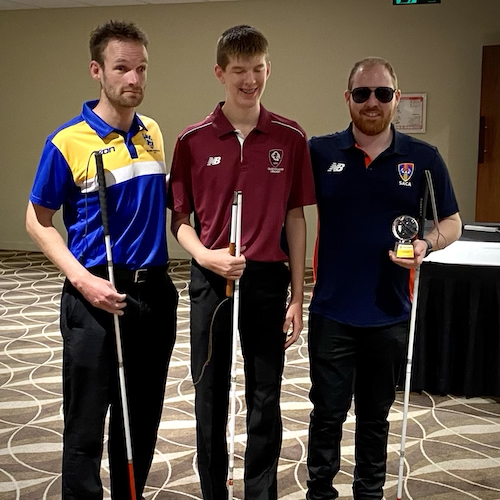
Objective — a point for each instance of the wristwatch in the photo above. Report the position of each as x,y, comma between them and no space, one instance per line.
429,246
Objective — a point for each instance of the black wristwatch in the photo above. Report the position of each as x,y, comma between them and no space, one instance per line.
429,246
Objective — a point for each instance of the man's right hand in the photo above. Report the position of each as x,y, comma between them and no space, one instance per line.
221,262
101,294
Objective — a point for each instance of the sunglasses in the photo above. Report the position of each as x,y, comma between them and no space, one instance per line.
362,94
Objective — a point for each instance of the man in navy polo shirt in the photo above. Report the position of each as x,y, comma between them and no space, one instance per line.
242,146
365,177
144,298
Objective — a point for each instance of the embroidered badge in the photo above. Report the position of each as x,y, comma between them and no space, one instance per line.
406,171
275,158
149,140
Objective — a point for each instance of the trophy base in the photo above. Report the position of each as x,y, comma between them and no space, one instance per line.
404,251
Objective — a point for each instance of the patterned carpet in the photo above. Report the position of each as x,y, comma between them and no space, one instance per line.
453,444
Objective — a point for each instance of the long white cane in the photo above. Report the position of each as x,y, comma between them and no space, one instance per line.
121,370
235,239
429,192
411,337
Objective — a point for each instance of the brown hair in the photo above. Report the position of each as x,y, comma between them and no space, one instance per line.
114,30
242,40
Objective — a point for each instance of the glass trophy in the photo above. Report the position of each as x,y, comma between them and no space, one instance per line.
404,229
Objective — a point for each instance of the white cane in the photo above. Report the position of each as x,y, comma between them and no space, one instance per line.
411,338
118,339
235,239
429,191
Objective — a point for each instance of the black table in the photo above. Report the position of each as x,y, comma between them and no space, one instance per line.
457,339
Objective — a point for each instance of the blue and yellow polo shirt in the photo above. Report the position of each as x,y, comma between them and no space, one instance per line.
134,164
357,284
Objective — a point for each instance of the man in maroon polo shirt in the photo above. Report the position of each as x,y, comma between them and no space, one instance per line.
242,146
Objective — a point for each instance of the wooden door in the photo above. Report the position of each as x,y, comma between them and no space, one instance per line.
488,168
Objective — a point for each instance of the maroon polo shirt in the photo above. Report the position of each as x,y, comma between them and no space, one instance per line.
272,168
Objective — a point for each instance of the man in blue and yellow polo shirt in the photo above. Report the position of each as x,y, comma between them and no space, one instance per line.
144,297
365,177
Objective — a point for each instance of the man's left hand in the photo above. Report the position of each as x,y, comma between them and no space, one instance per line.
419,251
293,318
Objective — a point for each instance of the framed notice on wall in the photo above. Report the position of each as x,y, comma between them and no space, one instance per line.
410,113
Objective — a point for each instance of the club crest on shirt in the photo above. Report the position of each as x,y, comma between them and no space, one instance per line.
149,140
405,171
275,158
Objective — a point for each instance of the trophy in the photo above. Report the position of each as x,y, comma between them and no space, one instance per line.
404,229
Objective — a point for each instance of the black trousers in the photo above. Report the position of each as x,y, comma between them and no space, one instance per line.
344,359
90,383
263,293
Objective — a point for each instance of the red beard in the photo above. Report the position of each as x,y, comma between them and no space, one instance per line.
371,126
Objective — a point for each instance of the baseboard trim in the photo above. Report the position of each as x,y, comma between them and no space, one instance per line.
20,246
24,246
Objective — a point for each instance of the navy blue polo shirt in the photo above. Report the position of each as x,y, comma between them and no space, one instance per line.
357,283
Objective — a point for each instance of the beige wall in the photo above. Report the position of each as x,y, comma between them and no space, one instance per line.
434,48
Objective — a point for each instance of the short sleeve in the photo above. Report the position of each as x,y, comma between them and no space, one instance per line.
302,189
445,196
180,186
53,180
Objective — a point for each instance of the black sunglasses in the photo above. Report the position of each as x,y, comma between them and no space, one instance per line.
362,94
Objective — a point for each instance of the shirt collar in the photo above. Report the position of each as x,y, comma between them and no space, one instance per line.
223,126
103,129
399,144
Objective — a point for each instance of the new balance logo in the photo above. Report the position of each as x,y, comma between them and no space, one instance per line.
336,167
213,160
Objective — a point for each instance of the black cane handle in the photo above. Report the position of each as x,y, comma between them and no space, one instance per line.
102,192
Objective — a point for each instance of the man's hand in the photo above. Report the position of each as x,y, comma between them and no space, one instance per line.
293,317
419,251
223,263
101,294
219,261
